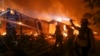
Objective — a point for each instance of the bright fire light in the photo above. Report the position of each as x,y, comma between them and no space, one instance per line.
65,34
77,25
95,33
4,33
64,27
60,18
49,36
36,34
73,28
12,11
3,9
20,23
76,32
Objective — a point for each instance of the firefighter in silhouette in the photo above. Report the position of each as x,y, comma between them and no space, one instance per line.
85,40
40,31
70,40
59,36
11,27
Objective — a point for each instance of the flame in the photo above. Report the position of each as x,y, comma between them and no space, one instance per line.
20,23
64,27
72,27
4,33
60,18
65,34
36,34
95,33
49,36
12,12
50,39
46,10
65,31
76,32
52,28
76,24
53,10
3,10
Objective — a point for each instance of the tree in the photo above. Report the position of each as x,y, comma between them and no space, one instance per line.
92,5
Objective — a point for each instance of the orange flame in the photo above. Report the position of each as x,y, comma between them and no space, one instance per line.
4,33
76,32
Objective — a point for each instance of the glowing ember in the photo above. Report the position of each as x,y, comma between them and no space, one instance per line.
52,28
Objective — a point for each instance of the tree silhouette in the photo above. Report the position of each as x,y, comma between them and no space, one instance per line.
92,5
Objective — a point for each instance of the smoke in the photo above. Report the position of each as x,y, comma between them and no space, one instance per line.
48,9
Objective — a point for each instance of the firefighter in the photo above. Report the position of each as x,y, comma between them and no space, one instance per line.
70,40
59,36
85,40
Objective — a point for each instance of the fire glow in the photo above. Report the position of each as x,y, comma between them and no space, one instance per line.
65,31
4,33
61,18
55,12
